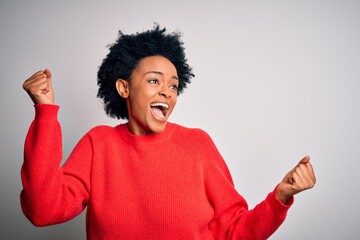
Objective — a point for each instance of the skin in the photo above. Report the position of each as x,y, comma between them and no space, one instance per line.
300,178
39,87
155,81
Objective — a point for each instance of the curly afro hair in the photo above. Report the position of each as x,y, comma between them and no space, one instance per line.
125,55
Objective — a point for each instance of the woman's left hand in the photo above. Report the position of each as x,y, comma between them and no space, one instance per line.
300,178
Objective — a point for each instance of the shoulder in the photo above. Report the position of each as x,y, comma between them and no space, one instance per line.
101,128
103,137
192,133
102,131
196,137
201,145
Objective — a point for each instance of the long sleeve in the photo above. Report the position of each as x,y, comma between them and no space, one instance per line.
232,218
52,194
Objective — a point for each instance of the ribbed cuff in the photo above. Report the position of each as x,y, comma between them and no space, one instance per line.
277,205
46,112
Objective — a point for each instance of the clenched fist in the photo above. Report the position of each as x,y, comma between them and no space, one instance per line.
39,87
300,178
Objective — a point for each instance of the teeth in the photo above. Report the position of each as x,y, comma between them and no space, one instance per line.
163,105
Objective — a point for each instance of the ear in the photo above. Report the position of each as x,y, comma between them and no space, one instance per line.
122,87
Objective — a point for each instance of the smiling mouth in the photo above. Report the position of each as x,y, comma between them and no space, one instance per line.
159,109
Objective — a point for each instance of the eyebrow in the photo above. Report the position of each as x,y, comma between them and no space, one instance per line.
162,74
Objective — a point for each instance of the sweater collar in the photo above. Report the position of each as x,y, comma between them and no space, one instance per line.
146,139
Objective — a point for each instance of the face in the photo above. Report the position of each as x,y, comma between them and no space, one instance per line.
150,94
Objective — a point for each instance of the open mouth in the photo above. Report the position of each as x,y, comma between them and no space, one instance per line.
159,109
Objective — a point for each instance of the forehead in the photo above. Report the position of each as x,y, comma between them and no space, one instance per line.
156,63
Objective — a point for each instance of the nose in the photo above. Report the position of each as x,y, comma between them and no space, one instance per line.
164,94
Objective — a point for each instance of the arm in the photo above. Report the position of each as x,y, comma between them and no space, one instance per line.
50,194
232,218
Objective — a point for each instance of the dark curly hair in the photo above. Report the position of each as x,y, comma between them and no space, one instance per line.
125,55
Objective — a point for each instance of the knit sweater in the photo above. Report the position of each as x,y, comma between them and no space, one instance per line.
170,185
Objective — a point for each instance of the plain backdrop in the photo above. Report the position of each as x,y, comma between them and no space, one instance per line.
275,81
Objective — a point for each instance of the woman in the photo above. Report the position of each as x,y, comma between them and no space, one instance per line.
148,178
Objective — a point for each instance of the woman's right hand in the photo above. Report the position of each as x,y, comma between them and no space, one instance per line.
39,87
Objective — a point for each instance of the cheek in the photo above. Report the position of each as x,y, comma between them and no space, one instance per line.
139,105
136,104
174,101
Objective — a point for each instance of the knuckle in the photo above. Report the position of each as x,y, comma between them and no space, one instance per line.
33,91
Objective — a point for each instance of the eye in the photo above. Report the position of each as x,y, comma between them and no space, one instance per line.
174,87
153,81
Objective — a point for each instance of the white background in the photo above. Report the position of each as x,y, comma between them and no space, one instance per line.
275,80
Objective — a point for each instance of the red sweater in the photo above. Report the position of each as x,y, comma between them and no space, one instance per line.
172,185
